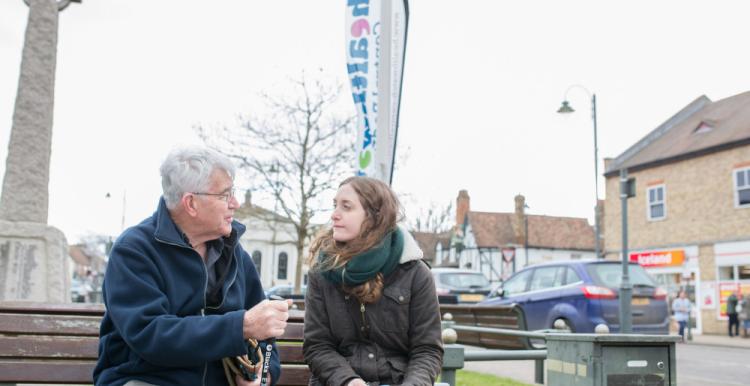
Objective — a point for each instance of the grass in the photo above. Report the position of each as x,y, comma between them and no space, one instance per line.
471,378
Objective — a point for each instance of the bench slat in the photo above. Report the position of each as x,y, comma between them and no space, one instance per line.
55,372
38,346
291,353
49,324
294,331
294,375
22,307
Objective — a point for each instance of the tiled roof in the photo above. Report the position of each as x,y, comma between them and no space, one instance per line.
492,229
722,124
78,255
496,229
428,241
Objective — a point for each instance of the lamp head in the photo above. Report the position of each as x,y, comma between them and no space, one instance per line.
565,108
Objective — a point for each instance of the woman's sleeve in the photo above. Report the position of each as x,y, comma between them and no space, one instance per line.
426,345
319,345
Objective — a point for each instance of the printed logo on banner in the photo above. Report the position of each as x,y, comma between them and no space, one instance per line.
363,21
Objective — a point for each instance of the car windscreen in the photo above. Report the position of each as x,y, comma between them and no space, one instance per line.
610,275
464,280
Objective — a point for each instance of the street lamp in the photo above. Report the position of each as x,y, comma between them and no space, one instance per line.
565,108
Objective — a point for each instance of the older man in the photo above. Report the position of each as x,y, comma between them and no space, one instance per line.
180,292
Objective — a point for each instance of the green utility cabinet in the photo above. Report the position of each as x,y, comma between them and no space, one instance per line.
611,360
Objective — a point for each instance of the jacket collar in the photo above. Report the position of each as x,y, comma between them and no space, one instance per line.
167,231
411,248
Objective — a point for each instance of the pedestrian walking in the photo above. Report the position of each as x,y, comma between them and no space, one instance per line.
743,313
681,308
732,314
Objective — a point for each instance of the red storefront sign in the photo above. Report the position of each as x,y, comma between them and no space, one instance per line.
675,257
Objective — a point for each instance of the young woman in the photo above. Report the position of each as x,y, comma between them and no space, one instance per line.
371,311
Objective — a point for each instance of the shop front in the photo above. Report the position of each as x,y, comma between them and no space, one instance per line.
675,269
732,271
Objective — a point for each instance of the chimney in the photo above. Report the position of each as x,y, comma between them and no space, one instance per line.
462,208
519,218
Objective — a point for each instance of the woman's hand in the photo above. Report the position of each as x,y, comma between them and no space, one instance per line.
357,382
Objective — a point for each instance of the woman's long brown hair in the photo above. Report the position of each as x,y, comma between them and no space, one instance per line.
382,213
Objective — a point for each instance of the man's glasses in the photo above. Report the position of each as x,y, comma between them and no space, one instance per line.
222,196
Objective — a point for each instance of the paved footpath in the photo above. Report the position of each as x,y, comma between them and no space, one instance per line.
523,371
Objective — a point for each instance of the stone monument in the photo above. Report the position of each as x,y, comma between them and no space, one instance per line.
33,255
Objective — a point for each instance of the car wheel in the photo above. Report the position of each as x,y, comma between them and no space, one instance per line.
562,324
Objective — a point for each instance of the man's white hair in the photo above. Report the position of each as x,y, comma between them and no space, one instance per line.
188,169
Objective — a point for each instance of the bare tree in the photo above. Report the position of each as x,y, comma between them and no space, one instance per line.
433,219
297,150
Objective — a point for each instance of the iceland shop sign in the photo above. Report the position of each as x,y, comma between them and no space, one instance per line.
375,46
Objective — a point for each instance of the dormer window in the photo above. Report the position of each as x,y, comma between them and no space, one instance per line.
703,128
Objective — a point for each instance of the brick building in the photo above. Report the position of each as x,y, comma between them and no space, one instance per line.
689,222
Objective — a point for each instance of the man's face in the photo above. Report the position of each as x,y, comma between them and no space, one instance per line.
348,214
215,208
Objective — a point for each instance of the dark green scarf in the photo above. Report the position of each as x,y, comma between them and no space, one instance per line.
383,258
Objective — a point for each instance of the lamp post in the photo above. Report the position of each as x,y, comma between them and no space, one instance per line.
565,108
627,190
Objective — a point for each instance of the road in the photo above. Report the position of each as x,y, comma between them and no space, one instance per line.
697,365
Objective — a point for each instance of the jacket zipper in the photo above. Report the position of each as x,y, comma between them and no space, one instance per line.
205,287
364,319
234,277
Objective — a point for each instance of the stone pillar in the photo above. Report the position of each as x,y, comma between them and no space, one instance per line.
33,255
25,186
33,263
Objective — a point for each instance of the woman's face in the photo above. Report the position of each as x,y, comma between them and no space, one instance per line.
348,214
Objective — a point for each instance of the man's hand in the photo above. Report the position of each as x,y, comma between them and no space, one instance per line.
239,381
267,319
357,382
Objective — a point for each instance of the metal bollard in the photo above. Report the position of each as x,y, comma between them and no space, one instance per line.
453,357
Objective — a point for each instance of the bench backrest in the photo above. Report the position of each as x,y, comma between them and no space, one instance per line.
509,317
58,343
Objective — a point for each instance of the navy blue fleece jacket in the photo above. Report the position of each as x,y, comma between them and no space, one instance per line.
157,327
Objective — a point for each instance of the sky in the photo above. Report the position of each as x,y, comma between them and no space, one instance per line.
483,80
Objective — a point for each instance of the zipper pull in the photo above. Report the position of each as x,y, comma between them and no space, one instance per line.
362,308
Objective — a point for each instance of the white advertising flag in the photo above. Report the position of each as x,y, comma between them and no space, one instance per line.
375,48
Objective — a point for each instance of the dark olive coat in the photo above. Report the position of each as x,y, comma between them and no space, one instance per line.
402,345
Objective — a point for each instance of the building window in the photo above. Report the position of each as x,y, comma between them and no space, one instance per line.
726,272
257,260
742,187
283,261
657,209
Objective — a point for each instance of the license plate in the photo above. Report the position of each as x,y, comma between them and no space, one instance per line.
640,301
471,297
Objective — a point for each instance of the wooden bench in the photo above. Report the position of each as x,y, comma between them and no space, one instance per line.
57,344
509,317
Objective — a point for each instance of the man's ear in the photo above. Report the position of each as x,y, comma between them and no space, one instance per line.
189,204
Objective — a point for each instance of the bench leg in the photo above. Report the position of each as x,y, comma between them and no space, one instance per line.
448,376
539,371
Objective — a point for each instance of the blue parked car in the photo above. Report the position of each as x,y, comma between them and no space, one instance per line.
583,294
